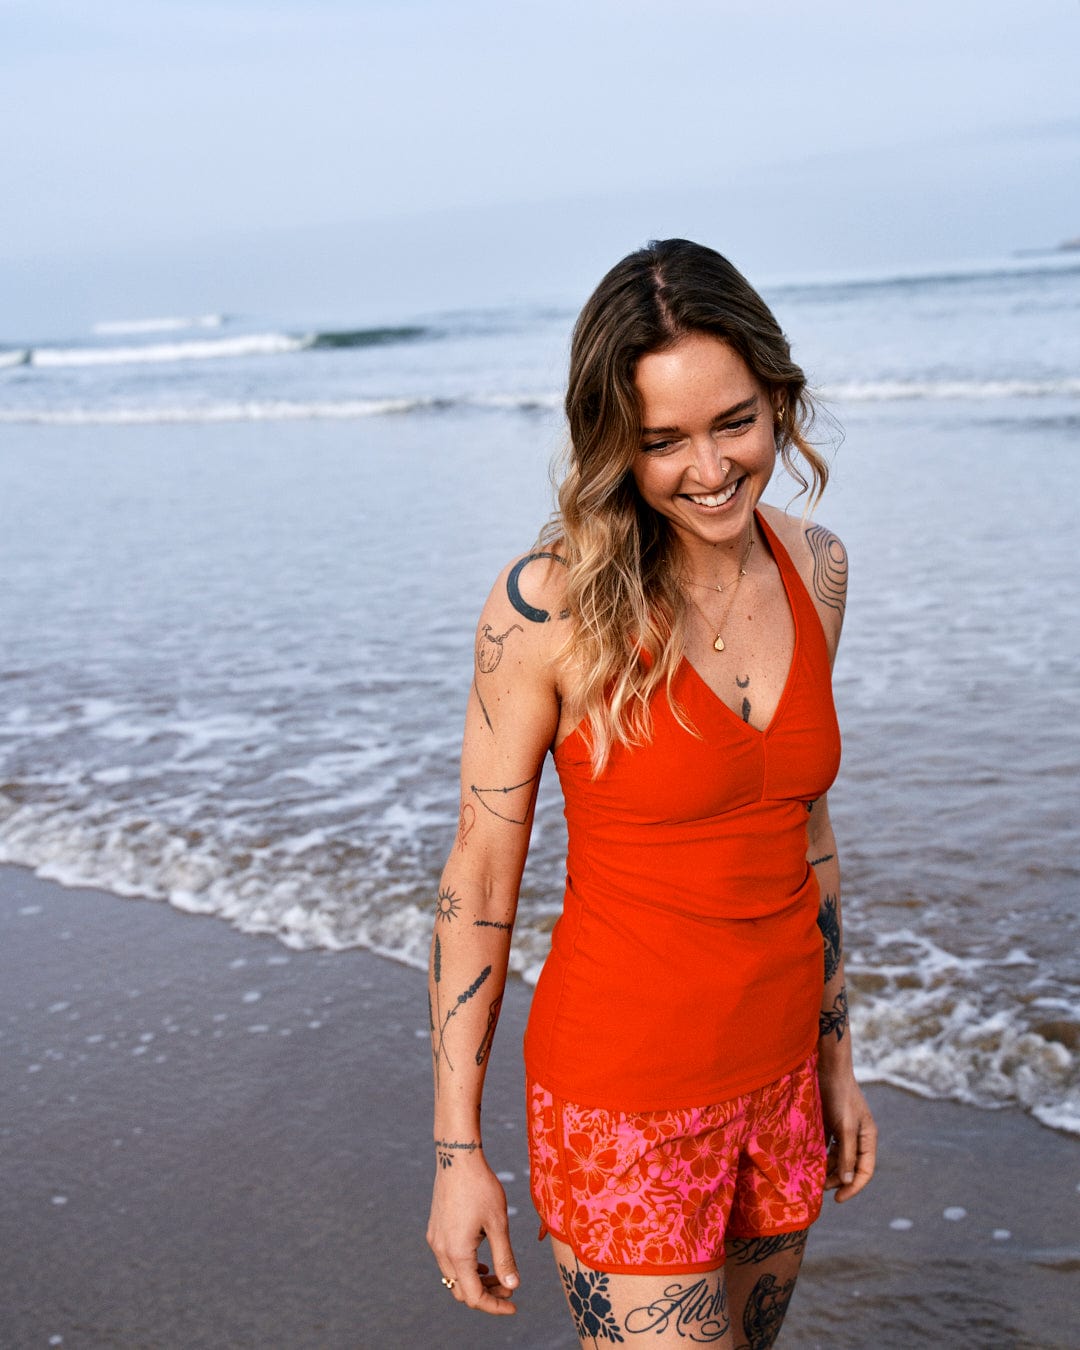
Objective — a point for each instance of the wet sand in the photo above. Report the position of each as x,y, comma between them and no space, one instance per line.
210,1141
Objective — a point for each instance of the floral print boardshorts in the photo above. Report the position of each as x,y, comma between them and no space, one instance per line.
657,1192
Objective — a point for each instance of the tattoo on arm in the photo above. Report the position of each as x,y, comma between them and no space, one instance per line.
830,567
752,1251
446,906
513,589
493,923
439,1022
764,1312
828,920
483,705
513,803
835,1019
825,857
466,820
446,1148
697,1311
484,1048
489,650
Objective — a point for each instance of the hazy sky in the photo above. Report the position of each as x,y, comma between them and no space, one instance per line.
148,121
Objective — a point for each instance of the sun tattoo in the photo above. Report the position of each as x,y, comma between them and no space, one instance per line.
447,906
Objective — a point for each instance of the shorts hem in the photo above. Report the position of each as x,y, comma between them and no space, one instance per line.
794,1227
618,1268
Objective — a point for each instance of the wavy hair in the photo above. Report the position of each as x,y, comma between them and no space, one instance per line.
626,608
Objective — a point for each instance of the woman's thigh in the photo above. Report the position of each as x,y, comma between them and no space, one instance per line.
658,1310
741,1306
761,1274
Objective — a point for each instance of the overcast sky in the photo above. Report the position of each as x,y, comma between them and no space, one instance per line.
147,121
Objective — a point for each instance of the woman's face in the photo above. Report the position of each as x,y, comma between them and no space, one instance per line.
707,446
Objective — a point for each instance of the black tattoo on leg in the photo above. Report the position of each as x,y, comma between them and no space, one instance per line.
830,567
828,920
446,1148
825,857
746,710
516,810
835,1019
493,923
752,1251
586,1293
489,650
742,683
513,590
697,1311
446,906
764,1312
484,1049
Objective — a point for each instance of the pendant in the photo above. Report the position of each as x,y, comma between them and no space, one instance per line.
718,645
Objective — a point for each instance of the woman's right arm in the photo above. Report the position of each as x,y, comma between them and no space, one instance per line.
510,722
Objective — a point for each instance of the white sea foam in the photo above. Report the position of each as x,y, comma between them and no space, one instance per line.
16,357
207,349
888,391
116,327
266,410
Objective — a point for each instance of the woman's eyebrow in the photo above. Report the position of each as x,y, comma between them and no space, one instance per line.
733,411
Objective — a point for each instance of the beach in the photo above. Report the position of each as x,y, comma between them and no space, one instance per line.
212,1141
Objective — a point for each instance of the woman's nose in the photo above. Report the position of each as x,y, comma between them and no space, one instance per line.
709,460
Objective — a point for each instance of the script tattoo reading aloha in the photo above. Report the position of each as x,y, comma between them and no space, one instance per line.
830,567
513,589
828,920
697,1312
439,1022
835,1019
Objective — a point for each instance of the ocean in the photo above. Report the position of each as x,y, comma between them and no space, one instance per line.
243,558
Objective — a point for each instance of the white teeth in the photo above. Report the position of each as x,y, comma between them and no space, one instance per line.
718,499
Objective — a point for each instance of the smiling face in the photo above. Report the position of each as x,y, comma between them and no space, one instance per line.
707,444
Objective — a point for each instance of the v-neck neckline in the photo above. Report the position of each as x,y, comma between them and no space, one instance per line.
784,565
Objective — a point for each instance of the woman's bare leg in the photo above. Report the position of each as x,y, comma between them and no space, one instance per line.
655,1310
761,1274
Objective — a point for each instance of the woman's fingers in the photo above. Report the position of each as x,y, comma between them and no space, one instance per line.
857,1157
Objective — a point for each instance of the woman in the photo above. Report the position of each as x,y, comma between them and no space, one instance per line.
670,642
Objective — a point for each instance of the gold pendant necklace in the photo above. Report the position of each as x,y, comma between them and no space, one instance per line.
718,641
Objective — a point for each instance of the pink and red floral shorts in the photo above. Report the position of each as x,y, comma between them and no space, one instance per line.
658,1191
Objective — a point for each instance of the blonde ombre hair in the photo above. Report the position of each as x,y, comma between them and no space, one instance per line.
626,608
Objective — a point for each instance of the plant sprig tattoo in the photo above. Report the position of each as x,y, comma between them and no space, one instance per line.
437,1021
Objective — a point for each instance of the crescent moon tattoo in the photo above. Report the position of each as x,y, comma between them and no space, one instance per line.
513,590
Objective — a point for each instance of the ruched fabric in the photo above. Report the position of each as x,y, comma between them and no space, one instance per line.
687,965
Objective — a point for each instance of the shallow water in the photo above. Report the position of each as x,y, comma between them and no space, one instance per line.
237,655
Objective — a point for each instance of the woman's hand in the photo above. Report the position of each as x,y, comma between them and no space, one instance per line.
468,1205
850,1130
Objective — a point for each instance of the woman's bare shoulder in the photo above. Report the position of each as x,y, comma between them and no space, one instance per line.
821,558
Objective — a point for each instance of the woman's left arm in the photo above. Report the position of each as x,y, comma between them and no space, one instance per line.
849,1126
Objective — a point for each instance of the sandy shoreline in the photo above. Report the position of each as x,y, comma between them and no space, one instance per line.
210,1141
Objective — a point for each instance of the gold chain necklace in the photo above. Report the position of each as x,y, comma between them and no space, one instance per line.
718,641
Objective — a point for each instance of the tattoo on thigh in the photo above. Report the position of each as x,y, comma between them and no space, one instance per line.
697,1311
752,1251
587,1295
763,1315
